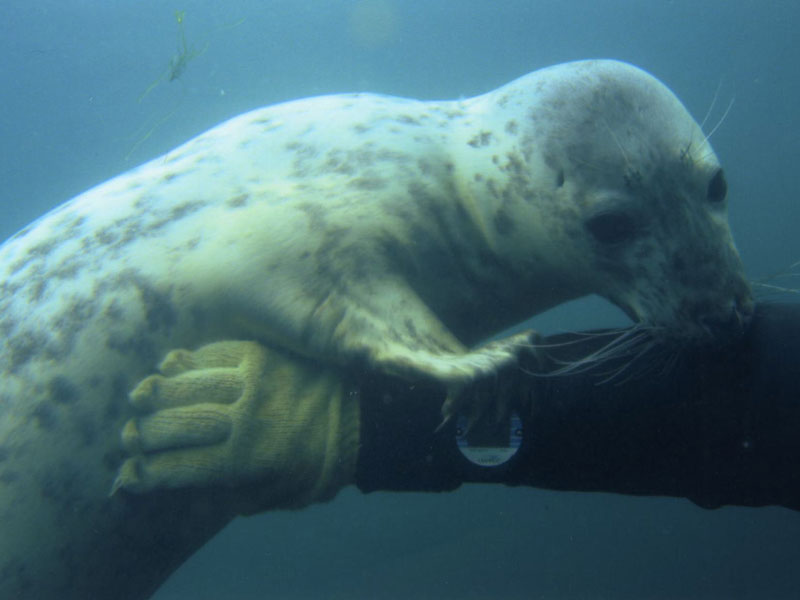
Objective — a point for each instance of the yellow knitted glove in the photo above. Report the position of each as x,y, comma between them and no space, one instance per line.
278,428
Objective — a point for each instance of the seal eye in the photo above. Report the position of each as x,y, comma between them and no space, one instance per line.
612,227
717,187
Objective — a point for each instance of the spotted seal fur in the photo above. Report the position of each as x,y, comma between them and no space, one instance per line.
351,229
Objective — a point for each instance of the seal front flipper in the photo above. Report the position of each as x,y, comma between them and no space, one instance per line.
402,336
489,391
470,377
280,429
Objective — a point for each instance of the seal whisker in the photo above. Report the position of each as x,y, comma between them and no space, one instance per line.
610,374
767,287
578,335
590,165
721,120
711,107
619,145
627,342
670,363
646,347
600,333
775,288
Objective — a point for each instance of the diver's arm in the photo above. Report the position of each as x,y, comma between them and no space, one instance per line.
718,427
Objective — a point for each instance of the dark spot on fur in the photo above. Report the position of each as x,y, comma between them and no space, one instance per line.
23,346
368,183
361,128
160,314
36,289
492,187
512,127
481,139
560,178
113,311
82,309
106,236
62,390
7,326
72,228
45,416
315,215
514,166
408,120
238,201
169,177
43,248
478,177
139,345
503,223
184,209
412,331
303,162
159,311
68,268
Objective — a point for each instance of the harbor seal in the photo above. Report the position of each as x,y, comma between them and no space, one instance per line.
353,229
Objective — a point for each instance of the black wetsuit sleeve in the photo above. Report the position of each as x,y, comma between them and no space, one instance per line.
717,426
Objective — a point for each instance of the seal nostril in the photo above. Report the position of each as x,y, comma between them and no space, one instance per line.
744,311
717,187
726,324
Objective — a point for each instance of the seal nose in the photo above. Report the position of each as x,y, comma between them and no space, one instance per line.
729,323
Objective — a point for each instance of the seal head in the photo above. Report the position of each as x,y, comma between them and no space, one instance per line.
626,199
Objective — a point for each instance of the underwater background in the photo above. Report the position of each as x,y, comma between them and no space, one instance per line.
91,88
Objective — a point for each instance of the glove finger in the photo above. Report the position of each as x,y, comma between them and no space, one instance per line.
219,354
176,428
177,362
171,470
224,386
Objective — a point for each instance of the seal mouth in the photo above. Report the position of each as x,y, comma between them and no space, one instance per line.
703,324
727,327
712,326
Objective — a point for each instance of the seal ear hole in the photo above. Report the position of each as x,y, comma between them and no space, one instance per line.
611,228
560,178
717,187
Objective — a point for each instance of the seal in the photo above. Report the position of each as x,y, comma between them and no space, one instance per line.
352,229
